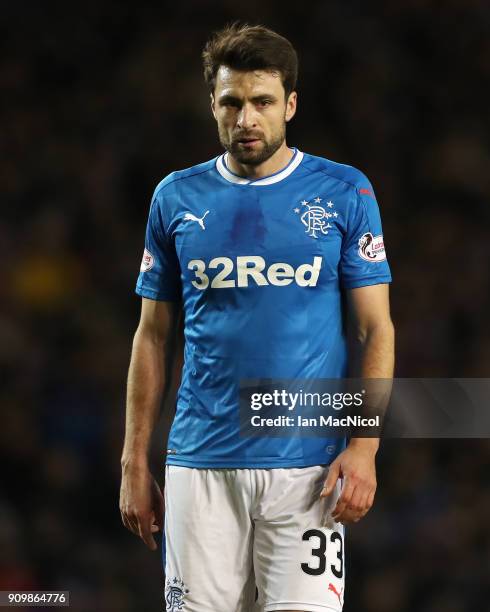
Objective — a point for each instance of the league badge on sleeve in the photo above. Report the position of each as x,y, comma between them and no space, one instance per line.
147,261
372,248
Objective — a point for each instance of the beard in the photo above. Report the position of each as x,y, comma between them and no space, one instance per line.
252,157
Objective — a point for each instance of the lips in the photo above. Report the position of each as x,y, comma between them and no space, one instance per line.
248,143
248,139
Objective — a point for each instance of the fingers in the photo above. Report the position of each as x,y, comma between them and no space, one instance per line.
129,523
357,468
143,525
126,522
332,477
145,532
355,504
158,506
371,498
344,500
354,510
142,506
349,517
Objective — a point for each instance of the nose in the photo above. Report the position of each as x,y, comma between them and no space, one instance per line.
246,117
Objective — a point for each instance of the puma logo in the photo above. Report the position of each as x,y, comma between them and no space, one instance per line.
332,588
191,217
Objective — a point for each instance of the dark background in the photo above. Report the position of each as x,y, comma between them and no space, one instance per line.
99,102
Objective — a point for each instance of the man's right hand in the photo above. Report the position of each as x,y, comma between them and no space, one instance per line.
141,503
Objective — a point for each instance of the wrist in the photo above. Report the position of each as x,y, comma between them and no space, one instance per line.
131,463
366,444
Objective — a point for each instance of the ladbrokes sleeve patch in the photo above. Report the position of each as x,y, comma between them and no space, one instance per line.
147,261
372,248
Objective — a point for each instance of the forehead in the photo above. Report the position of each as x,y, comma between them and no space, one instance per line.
240,82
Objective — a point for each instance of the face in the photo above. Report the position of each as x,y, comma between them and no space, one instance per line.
251,111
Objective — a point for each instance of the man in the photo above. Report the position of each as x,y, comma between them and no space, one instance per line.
255,248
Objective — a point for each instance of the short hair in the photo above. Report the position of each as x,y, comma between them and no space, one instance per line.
241,46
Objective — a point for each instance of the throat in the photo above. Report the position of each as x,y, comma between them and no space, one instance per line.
277,162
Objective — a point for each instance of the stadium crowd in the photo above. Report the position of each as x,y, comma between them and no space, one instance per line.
99,102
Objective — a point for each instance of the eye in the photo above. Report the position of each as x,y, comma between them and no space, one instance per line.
230,104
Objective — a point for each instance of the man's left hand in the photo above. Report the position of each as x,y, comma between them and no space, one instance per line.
356,466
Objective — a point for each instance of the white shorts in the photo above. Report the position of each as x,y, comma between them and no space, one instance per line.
228,531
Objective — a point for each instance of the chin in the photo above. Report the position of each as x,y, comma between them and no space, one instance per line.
252,158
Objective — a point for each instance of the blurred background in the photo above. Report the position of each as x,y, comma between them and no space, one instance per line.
99,101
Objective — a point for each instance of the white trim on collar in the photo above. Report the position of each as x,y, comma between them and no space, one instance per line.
267,180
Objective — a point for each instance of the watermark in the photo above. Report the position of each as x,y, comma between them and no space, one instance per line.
391,408
30,599
303,399
321,421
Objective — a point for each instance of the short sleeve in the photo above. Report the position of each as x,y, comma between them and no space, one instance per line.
159,277
363,258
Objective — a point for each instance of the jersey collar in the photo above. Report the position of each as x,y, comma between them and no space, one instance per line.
222,168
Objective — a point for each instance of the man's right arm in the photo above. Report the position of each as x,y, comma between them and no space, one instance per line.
141,500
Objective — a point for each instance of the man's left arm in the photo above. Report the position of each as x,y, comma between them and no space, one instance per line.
372,357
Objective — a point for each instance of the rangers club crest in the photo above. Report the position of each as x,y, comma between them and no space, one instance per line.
175,592
315,217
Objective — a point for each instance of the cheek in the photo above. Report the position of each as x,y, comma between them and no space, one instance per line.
276,123
226,121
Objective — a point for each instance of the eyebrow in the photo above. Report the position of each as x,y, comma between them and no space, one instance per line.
234,99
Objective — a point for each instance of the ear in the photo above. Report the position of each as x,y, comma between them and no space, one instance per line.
212,105
291,105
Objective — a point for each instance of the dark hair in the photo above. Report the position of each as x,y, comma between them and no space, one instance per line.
244,47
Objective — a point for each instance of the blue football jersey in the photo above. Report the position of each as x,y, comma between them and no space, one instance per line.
259,266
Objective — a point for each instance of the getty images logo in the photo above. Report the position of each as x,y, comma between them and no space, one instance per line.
252,270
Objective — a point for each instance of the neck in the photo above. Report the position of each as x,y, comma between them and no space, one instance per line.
276,162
